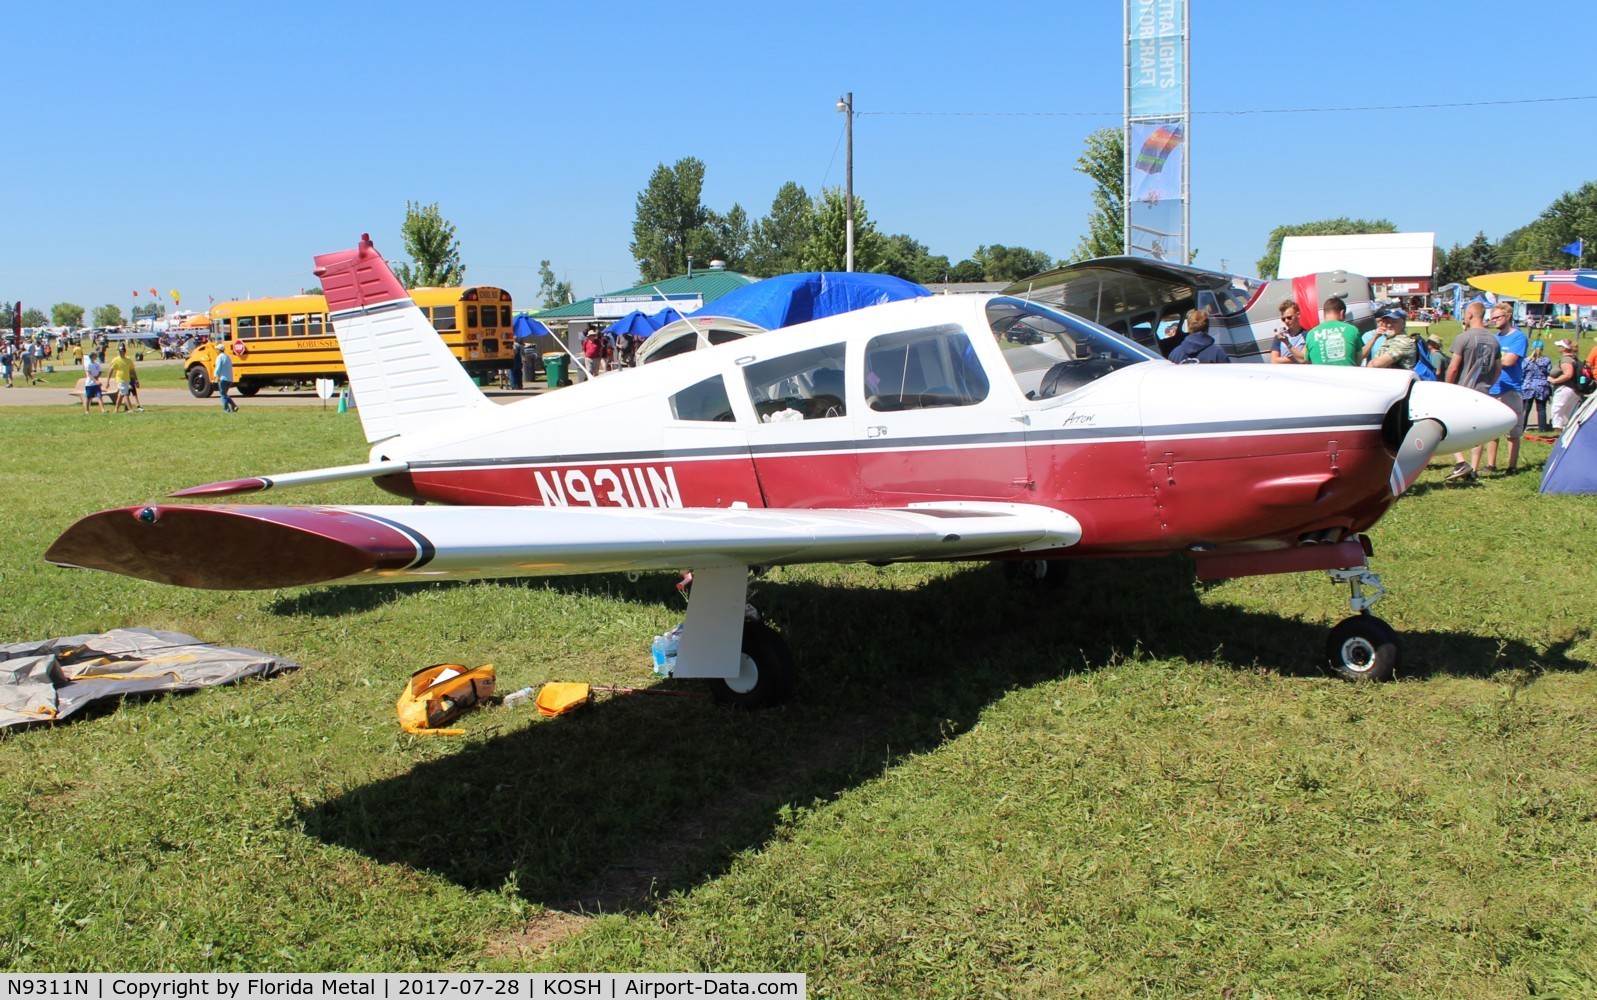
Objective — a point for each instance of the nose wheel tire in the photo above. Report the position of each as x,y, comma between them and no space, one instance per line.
767,674
1363,648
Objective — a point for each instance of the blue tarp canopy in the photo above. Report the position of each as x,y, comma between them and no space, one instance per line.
1572,467
798,298
664,316
633,324
526,326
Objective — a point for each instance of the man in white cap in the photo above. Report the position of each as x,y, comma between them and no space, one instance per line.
1565,371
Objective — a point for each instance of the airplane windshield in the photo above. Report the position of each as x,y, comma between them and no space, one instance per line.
1052,353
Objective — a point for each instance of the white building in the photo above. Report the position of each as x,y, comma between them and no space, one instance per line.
1396,263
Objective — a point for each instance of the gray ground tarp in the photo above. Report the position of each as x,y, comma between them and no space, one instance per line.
49,680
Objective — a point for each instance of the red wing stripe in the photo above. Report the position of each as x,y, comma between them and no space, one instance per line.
235,548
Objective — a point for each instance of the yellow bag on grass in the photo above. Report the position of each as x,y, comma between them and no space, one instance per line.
438,695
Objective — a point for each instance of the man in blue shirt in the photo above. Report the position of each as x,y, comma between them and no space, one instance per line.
1506,389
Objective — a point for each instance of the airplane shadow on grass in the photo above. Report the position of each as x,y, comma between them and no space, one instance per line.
636,797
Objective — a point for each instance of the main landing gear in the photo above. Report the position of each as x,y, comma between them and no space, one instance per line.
1363,647
747,663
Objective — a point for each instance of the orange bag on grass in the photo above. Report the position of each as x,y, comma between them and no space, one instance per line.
438,695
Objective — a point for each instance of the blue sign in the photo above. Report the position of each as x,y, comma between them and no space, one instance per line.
1156,46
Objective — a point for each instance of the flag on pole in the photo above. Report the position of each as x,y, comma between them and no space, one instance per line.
135,293
1576,248
154,294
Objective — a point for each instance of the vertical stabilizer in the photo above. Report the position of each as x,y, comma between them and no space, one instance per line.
403,376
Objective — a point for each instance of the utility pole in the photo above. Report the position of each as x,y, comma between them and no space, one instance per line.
845,104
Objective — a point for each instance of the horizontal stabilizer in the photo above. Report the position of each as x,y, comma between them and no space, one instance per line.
258,547
256,484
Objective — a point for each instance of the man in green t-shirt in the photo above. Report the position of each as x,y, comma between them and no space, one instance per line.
1334,341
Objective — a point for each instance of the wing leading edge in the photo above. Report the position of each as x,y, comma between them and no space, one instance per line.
230,547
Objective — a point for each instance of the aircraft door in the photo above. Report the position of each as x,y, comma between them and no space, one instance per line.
799,433
932,424
707,451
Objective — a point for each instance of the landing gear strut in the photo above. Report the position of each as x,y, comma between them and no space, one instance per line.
1363,647
747,663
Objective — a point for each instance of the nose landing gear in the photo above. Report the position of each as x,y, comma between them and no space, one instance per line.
1363,647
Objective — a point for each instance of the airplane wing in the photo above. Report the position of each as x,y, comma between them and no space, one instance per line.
237,547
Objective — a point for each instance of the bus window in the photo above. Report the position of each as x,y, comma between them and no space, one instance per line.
246,327
504,315
444,318
296,325
280,325
471,316
224,329
316,325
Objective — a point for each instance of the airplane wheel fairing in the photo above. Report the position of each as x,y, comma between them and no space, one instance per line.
1363,648
200,384
768,673
1048,574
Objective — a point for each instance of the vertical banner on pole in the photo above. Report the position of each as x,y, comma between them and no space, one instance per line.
1157,127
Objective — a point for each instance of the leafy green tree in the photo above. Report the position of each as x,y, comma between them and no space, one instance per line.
151,310
108,315
1450,265
670,222
34,317
1270,263
910,259
552,291
967,271
827,247
1480,257
1001,263
1573,215
777,241
1104,162
66,314
732,238
435,253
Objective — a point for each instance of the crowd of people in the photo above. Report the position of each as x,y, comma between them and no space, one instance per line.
1496,359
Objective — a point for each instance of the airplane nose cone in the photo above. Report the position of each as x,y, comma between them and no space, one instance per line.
1469,417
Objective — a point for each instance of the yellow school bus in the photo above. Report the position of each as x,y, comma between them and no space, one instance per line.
290,341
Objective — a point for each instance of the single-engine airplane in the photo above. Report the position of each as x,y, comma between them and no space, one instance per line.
939,428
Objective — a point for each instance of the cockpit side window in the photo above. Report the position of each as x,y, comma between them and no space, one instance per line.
1052,353
805,385
706,400
920,369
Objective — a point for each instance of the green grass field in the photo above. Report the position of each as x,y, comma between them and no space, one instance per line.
1139,785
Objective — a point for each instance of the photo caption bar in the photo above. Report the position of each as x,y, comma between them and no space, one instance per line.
396,986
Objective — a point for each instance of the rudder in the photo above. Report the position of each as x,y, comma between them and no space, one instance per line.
403,376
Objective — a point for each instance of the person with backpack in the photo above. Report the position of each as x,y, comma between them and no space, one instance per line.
1566,396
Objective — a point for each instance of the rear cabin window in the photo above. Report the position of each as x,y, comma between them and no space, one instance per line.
705,400
920,369
807,385
471,316
504,315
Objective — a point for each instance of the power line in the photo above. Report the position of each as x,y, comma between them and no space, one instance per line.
1247,111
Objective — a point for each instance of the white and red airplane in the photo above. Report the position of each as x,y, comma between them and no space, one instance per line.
942,428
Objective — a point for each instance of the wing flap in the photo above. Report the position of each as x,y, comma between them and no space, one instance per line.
233,547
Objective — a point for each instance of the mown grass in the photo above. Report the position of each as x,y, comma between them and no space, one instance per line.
1140,784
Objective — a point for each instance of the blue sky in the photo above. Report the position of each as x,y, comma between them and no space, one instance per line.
214,148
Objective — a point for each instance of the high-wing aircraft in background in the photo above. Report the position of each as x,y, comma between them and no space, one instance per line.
1146,301
937,428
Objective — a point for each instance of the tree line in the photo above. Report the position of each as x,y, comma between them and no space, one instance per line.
800,232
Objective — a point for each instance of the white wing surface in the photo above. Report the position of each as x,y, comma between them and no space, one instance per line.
232,547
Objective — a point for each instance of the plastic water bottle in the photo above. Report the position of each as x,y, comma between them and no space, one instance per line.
515,698
664,650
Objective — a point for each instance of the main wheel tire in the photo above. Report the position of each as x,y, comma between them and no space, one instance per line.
1049,574
1363,648
248,387
200,384
768,673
